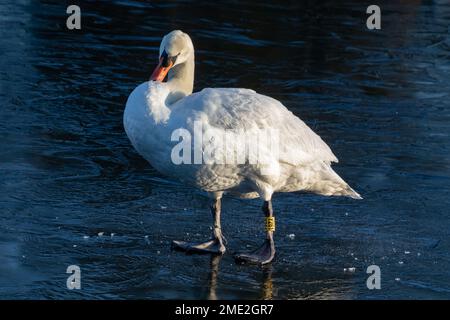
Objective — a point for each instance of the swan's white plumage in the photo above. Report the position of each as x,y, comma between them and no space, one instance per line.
244,109
304,158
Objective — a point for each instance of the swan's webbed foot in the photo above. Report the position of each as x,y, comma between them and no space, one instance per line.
263,255
213,246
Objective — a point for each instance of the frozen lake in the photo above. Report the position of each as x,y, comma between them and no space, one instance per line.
74,192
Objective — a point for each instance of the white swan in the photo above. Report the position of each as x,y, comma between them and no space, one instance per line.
156,109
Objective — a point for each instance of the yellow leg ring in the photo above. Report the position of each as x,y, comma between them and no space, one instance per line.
270,224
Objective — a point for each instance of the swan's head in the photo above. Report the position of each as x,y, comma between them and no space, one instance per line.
176,48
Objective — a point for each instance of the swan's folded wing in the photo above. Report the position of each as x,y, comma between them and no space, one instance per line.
245,110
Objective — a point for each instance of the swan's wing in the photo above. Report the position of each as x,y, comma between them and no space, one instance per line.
245,110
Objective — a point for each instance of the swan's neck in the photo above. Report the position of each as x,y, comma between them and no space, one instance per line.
160,95
181,80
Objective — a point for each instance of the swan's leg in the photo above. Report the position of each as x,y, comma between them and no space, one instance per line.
215,245
266,252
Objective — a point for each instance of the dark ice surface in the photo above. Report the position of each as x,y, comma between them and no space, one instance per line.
74,192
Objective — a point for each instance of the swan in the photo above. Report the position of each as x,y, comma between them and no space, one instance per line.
169,125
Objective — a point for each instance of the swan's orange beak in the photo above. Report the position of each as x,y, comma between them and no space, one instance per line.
162,69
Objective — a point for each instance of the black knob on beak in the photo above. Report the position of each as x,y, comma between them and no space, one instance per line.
167,61
164,59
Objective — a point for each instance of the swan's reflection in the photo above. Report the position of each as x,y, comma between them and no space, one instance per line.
214,264
267,288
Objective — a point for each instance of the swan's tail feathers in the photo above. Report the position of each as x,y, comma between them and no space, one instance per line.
332,188
347,191
329,183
